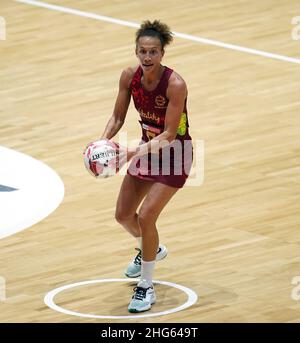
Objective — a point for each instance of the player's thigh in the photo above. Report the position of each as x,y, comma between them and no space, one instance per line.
132,192
156,199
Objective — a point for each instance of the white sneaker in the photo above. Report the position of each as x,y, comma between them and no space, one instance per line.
134,268
143,297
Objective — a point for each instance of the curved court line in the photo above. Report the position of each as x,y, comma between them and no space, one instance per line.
177,34
30,191
49,299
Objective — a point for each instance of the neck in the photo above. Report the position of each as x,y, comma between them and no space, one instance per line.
154,75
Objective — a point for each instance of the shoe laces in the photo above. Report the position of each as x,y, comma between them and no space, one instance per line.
139,293
138,257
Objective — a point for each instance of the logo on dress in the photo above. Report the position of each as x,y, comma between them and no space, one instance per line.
160,101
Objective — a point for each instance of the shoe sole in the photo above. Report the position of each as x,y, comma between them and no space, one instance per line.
133,310
132,276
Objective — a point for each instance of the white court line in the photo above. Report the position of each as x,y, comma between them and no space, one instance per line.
49,300
239,243
33,198
177,34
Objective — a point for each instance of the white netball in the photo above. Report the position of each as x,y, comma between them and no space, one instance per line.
101,158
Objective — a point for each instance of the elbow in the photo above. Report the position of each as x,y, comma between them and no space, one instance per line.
117,120
120,122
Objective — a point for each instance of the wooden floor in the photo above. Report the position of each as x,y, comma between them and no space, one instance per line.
234,240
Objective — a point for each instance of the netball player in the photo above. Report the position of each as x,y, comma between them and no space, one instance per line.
153,177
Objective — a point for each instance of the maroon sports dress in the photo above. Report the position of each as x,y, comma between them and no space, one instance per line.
172,164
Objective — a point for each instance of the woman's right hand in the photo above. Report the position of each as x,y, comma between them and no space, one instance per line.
99,140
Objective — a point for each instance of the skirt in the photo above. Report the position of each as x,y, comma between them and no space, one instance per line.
171,166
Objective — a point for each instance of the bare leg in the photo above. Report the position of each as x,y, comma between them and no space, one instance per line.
156,199
131,194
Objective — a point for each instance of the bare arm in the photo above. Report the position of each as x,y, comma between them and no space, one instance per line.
121,106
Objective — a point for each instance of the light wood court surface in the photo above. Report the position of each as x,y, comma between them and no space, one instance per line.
235,240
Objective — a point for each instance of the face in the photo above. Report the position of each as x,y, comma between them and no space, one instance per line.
149,52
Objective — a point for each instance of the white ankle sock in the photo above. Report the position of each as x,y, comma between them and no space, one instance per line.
139,240
147,271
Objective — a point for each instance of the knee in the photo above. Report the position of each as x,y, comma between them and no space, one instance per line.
146,219
122,217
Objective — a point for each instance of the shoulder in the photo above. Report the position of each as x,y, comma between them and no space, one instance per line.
176,85
127,76
177,81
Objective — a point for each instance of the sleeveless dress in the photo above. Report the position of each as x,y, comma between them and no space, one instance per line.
172,164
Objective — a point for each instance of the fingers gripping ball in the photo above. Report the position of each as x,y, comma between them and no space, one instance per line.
101,158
